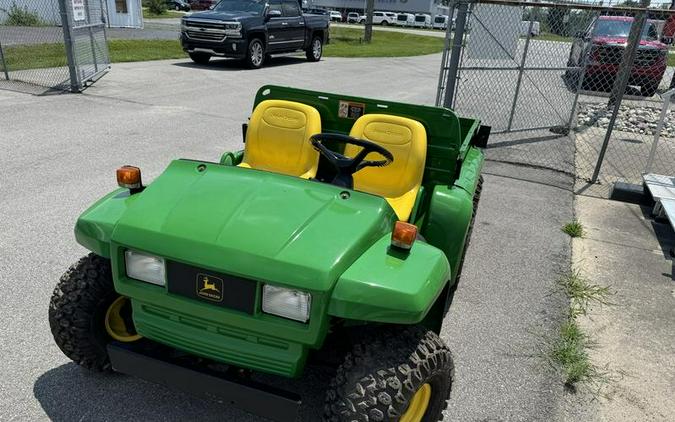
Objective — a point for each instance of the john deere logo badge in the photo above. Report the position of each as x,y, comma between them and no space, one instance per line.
209,287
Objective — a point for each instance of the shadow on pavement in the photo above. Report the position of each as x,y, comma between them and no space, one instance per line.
69,392
236,65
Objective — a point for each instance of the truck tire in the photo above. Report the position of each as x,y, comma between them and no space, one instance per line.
649,89
384,23
255,54
200,58
79,310
315,50
391,373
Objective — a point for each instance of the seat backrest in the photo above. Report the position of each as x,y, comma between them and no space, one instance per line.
277,138
400,181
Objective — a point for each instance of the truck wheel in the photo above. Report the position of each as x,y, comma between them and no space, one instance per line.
315,49
392,375
200,58
85,313
649,89
384,23
255,56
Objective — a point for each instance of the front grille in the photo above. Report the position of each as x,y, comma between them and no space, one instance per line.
614,55
610,55
202,24
646,57
206,36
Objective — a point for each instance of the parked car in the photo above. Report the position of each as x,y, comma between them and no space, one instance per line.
422,20
392,17
353,17
379,18
405,19
440,22
535,30
202,4
604,41
335,16
252,29
178,5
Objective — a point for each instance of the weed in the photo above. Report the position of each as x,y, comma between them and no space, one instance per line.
574,228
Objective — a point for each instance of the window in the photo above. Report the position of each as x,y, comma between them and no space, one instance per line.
291,8
275,6
121,6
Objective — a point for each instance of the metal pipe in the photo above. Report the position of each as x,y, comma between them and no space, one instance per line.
4,64
659,127
444,60
520,75
451,81
622,81
66,24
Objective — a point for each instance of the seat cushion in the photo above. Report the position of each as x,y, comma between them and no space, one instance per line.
400,181
277,138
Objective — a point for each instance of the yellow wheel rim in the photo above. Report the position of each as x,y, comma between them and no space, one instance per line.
418,405
114,322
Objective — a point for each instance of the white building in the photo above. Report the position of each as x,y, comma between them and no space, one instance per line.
432,7
116,13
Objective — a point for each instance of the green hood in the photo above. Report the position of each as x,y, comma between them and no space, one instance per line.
254,224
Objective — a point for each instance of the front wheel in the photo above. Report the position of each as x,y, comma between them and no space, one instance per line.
200,58
85,313
255,56
649,89
392,375
384,23
315,50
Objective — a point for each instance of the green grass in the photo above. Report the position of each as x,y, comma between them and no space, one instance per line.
346,42
582,293
574,228
167,14
37,56
545,36
569,353
671,60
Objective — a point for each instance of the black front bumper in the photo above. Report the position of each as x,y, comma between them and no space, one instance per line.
231,47
248,395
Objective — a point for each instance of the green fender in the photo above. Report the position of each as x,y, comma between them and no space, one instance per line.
96,224
391,287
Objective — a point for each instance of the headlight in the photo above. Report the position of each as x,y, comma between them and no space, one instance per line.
287,303
145,267
233,29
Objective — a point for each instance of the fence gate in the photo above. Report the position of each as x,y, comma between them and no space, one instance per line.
572,88
54,44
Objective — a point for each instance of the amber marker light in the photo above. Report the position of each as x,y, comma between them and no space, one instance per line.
129,177
404,235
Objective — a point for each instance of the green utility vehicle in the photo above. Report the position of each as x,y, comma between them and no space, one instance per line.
336,236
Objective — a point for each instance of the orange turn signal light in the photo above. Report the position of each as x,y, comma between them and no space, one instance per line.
404,235
129,177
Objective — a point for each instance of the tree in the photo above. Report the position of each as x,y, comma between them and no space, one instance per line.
368,34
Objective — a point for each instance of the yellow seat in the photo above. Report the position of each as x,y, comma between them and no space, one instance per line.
400,181
277,138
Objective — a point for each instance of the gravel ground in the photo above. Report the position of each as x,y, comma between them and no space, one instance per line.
59,155
640,120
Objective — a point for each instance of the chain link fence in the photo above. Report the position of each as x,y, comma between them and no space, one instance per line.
572,88
51,45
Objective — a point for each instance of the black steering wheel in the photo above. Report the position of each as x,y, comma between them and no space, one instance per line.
346,166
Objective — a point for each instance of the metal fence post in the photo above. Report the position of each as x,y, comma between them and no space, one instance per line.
455,55
444,60
66,20
4,63
520,75
659,126
622,80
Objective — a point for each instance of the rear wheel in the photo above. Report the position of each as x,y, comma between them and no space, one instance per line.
85,313
200,58
255,56
384,23
315,49
392,375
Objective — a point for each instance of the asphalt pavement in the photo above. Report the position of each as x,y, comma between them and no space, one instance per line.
59,154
